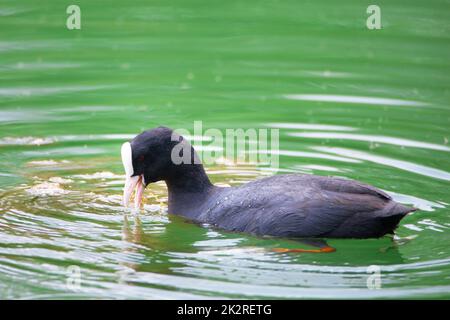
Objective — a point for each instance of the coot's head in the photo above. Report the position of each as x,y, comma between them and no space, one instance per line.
149,158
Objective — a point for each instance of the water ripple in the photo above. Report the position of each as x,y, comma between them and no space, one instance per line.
370,138
305,154
309,126
42,91
355,99
399,164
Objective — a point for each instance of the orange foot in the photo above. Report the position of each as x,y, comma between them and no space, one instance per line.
321,250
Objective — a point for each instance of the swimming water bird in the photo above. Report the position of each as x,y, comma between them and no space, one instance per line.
290,205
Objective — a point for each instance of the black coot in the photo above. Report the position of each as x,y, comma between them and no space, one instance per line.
292,205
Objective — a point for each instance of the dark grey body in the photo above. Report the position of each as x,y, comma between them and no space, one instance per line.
294,205
302,206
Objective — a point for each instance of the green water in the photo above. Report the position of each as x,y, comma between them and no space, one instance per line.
69,99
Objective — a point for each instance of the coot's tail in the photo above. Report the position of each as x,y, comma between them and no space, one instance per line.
389,218
373,224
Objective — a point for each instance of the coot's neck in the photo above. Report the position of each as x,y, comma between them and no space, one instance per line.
188,187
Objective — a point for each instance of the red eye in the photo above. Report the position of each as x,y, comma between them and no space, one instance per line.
141,158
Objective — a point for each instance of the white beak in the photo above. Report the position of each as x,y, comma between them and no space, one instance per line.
131,182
